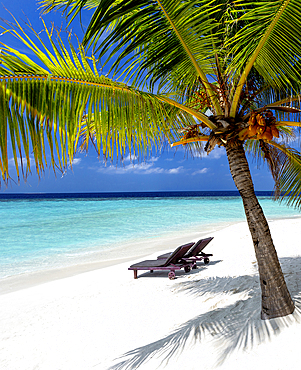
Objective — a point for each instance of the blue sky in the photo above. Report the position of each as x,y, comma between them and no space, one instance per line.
167,171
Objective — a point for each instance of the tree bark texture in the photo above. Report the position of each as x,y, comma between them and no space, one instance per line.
276,299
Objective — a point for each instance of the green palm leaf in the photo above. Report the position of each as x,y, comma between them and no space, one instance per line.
288,174
157,41
70,7
284,164
261,42
53,102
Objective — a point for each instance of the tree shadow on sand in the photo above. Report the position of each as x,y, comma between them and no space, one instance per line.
237,326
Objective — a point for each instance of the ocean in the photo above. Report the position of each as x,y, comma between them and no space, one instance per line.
47,231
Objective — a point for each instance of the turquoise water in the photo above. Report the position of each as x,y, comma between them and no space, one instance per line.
39,234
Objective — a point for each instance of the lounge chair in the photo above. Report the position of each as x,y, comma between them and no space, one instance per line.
172,263
195,252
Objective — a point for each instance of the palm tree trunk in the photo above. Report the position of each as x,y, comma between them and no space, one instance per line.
276,299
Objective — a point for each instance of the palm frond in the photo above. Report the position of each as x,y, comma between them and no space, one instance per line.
153,40
51,103
288,174
261,43
69,7
284,164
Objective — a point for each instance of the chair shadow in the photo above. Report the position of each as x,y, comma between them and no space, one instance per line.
179,273
236,327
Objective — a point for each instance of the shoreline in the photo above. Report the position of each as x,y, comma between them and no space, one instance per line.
138,250
36,249
128,252
104,319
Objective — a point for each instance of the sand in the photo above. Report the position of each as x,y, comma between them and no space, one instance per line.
207,319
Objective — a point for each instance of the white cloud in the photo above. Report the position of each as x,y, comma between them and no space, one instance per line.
11,161
144,168
133,158
203,170
76,161
130,158
176,170
217,153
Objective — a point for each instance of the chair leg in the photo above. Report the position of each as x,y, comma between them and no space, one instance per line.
135,274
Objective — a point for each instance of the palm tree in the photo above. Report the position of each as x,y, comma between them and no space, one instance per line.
198,73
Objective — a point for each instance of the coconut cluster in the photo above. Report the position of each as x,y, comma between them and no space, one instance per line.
261,126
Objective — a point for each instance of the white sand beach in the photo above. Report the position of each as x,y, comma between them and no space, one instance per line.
206,319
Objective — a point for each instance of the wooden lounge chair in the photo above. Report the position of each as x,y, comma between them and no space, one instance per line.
173,262
195,252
